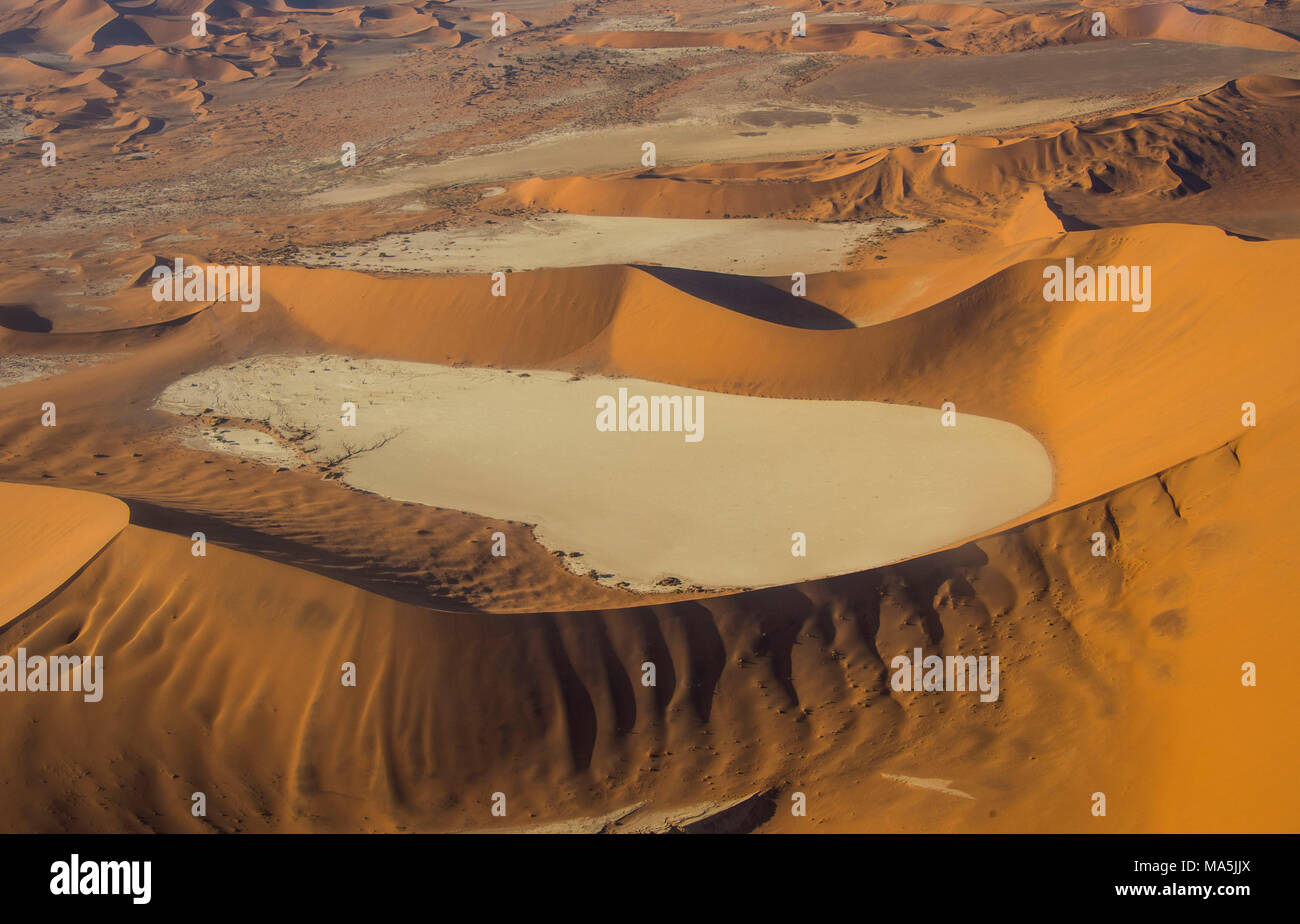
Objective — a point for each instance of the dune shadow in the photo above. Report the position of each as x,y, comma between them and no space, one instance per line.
1192,182
580,717
749,296
1068,222
367,575
15,39
706,654
119,31
23,318
742,818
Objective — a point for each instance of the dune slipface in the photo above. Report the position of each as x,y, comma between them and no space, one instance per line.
848,416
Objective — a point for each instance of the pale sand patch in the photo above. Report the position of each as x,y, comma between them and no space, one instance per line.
943,786
750,246
867,483
248,444
16,368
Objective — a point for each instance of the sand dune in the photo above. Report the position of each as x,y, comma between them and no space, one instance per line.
1099,432
1125,161
781,687
624,321
947,94
47,536
148,59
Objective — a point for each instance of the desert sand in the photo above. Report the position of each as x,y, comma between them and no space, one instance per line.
923,166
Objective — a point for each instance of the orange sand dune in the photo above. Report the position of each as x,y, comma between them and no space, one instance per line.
1101,430
890,290
1174,22
46,536
107,440
1119,165
776,691
117,289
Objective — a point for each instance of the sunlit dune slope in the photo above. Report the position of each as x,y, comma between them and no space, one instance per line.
46,536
